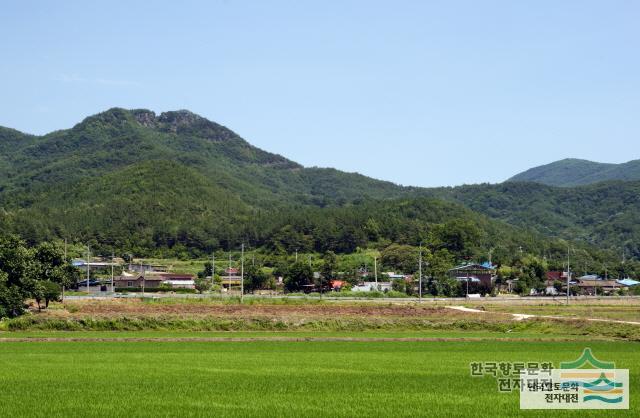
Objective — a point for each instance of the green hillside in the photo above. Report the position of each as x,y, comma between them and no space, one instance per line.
176,182
574,172
137,180
116,139
603,214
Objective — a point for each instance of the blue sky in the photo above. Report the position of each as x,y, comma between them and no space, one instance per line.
424,93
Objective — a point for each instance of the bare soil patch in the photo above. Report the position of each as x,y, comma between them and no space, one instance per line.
138,308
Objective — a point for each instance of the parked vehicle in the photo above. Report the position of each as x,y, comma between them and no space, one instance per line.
92,282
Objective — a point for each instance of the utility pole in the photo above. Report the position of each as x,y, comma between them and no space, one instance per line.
213,267
568,271
420,274
144,276
113,257
375,270
65,261
88,262
467,285
242,274
229,274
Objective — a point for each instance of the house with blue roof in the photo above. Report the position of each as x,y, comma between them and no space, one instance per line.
628,282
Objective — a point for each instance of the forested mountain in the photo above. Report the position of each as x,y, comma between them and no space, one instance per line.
118,139
574,172
605,214
178,183
135,179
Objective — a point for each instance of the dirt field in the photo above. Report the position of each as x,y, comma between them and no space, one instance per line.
136,307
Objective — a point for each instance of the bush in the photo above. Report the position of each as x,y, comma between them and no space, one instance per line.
11,302
202,285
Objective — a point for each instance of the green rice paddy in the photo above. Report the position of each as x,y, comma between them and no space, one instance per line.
278,379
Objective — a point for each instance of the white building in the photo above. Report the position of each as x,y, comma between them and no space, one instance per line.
372,287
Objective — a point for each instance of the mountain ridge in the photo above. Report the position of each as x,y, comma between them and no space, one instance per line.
571,172
156,180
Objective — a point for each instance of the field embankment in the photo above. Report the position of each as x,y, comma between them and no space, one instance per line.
205,315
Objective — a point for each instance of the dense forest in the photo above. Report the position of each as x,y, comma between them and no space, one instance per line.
178,184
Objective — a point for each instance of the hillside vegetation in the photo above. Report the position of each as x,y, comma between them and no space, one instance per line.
175,182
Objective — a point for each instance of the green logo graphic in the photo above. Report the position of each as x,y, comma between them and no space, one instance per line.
587,358
601,389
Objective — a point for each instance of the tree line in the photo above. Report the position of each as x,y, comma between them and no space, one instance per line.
26,272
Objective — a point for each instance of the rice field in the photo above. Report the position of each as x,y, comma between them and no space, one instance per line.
166,358
277,378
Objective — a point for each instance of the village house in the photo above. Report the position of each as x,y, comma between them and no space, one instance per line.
594,285
628,282
231,278
392,275
148,267
556,276
552,278
372,287
337,285
154,280
474,273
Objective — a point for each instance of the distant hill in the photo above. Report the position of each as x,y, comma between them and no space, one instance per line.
602,214
574,172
